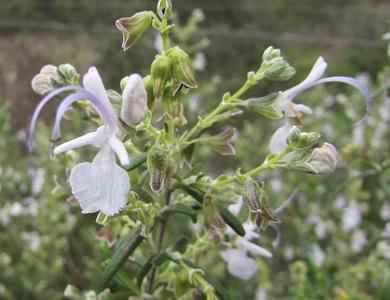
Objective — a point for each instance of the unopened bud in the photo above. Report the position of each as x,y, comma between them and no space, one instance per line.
42,84
159,166
212,217
160,72
123,82
53,73
181,70
275,67
266,106
47,80
134,100
298,140
293,136
69,73
305,140
133,27
164,8
321,160
148,83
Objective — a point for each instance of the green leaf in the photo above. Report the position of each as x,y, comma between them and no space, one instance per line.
123,250
221,292
194,193
231,220
136,161
181,209
147,266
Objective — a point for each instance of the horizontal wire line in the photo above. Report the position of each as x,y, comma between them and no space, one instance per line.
243,7
212,32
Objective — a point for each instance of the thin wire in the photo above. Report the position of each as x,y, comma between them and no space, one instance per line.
293,37
221,6
213,32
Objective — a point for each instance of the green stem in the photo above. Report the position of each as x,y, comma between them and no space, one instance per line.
159,242
265,166
208,121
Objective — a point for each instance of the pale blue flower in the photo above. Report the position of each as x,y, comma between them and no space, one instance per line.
100,185
285,100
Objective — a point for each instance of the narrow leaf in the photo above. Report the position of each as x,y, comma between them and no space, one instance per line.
123,250
231,220
181,209
136,161
145,270
194,193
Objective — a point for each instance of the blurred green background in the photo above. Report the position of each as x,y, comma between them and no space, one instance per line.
333,244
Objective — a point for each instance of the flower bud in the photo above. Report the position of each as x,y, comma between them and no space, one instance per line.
42,84
275,67
69,73
148,83
47,80
211,214
133,27
321,160
123,82
134,100
293,136
181,70
160,72
159,166
53,73
266,106
164,8
298,140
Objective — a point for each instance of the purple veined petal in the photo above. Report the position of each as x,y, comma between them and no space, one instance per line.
355,83
38,109
119,150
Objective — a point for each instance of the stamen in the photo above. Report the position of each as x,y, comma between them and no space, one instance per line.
41,104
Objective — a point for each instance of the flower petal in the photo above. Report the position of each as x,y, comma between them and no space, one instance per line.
278,140
236,208
100,185
95,138
134,103
239,264
252,248
93,83
64,105
315,74
355,83
119,150
38,109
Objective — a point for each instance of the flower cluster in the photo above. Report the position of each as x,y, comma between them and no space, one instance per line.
150,123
